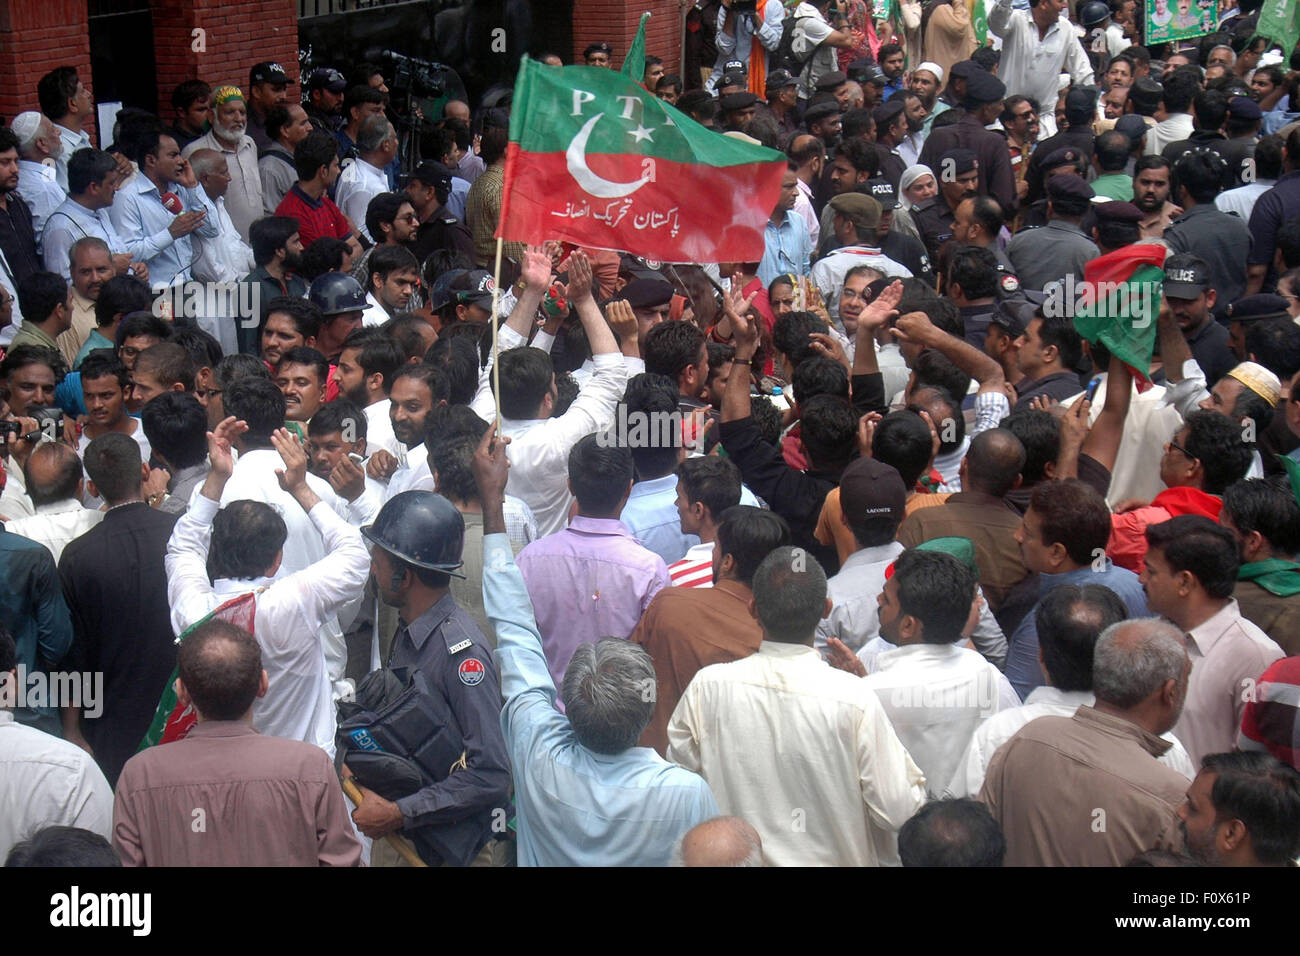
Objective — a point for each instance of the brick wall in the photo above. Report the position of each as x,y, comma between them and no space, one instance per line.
615,22
35,37
236,35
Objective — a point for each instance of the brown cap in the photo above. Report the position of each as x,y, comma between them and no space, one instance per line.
862,211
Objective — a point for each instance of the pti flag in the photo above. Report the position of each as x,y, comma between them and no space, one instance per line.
979,21
596,160
1118,303
171,721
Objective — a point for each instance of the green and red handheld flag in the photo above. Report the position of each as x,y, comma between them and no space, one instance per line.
596,160
1118,302
171,721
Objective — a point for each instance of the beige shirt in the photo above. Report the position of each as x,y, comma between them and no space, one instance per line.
83,322
802,752
244,195
1085,790
1228,654
1153,225
264,801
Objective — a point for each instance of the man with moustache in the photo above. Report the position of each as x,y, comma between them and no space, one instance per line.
266,90
228,137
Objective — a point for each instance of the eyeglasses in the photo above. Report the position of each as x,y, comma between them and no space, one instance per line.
1177,447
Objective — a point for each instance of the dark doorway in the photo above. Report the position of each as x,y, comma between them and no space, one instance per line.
122,62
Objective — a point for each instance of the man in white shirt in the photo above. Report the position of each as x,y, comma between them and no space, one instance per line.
364,177
364,374
39,148
223,258
1070,619
803,752
1180,89
540,443
393,276
854,221
935,693
228,136
1189,575
44,781
246,541
65,100
1038,45
416,391
260,404
104,383
55,484
817,42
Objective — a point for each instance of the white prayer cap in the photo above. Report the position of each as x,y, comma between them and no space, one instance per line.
26,126
931,67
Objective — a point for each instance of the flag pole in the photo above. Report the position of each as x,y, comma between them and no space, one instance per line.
496,364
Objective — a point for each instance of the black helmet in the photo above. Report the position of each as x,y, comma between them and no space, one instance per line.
335,293
1093,12
420,528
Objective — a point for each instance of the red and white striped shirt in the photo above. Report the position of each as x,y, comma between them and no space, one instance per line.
695,570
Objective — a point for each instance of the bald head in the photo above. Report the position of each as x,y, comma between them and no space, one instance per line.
53,474
206,162
722,841
456,109
994,462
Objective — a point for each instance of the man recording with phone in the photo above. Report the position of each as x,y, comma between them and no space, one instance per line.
747,30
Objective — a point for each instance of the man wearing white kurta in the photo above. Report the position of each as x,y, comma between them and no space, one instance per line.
803,752
290,611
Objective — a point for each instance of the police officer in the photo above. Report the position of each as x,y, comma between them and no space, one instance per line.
891,127
324,105
738,109
895,243
1048,253
958,171
456,820
1065,160
981,106
440,229
1080,113
342,302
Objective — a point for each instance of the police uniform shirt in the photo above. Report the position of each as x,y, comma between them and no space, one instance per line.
996,176
909,251
934,221
1209,345
1049,253
1223,240
1080,138
892,166
446,646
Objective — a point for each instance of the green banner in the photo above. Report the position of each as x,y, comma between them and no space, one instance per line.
634,64
1279,21
1181,19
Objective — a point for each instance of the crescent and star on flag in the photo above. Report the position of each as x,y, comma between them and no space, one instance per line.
576,155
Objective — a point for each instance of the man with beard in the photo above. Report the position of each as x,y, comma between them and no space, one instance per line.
391,220
891,128
823,120
17,235
981,106
364,376
266,91
927,79
287,125
147,213
1243,809
228,137
417,390
39,147
912,143
325,88
1151,187
277,254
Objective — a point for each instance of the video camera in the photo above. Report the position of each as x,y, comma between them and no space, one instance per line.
424,78
49,425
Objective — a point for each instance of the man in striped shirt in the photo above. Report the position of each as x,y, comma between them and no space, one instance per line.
706,487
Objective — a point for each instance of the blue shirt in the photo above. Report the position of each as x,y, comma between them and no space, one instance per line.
68,223
32,607
786,249
1022,668
576,807
651,515
456,201
141,220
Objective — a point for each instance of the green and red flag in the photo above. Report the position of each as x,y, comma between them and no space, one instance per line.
596,160
1117,304
171,721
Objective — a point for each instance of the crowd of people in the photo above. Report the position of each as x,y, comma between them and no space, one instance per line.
866,552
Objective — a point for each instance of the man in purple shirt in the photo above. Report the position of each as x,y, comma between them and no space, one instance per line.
592,579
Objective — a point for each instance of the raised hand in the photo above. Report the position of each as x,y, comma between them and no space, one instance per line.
348,479
883,308
536,268
580,277
844,659
219,443
294,473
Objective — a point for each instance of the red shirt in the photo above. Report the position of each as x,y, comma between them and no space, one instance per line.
1128,531
316,217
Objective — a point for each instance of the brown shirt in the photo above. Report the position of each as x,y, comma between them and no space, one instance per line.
686,629
1153,225
991,525
228,796
1085,790
1276,616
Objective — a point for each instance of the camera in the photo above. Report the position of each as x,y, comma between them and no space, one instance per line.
745,6
50,421
424,78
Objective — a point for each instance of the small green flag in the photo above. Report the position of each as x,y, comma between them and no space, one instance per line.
1292,473
634,64
980,21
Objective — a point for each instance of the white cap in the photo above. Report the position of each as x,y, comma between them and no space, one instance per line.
25,126
931,67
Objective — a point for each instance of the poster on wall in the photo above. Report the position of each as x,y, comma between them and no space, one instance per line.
1180,19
